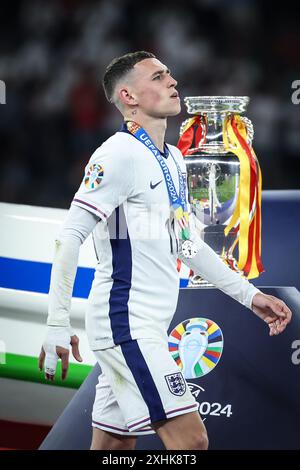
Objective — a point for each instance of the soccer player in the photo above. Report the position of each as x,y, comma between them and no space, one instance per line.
133,199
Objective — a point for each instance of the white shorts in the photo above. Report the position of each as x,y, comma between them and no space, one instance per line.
140,384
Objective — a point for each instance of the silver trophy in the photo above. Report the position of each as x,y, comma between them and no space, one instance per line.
213,174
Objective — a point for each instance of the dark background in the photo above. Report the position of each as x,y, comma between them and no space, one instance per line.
53,54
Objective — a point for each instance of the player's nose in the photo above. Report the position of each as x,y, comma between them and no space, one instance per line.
172,82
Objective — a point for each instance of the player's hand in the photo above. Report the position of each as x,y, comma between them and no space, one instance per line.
273,311
56,346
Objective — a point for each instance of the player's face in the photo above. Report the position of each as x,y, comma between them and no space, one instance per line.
154,89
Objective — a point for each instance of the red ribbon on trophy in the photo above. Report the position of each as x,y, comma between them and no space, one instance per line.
193,134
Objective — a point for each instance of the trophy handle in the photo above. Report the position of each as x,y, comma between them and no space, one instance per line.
203,125
182,127
250,129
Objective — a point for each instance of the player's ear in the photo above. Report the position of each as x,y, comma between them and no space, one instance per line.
126,97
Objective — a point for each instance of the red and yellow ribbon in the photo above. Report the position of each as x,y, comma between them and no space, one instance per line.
192,132
246,219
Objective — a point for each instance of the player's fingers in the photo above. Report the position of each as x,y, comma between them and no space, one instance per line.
288,313
269,319
64,363
273,328
51,359
277,308
282,308
42,359
280,325
75,348
284,324
272,331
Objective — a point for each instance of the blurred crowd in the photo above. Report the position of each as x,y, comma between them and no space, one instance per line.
53,54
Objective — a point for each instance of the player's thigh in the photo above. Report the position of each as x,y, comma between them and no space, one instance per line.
103,440
186,431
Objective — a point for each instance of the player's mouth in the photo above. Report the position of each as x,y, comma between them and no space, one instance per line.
175,95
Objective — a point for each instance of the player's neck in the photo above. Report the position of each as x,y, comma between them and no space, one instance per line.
155,128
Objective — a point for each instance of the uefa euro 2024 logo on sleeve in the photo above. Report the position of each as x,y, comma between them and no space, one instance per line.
93,176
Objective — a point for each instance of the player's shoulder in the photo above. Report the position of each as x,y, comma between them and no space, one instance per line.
119,146
175,150
177,153
118,139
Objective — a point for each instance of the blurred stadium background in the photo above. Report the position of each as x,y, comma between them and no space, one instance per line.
53,54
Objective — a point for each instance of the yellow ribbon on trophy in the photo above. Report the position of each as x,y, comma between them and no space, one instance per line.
246,219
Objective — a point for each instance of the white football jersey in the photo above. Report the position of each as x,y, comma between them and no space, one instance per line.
135,289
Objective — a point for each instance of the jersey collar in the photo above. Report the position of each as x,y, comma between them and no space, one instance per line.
123,128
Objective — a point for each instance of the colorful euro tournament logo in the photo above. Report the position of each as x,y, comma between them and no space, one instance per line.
196,345
93,176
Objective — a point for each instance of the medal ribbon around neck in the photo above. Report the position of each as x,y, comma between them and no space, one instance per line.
178,202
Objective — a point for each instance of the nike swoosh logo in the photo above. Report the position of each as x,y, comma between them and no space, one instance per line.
153,186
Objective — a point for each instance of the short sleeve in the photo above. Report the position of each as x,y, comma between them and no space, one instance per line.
108,179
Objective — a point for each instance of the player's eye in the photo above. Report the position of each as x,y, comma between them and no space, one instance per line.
157,76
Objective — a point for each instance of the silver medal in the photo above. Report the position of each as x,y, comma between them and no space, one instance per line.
189,249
